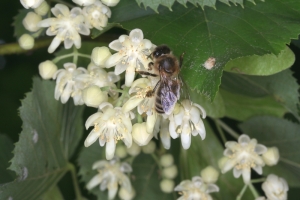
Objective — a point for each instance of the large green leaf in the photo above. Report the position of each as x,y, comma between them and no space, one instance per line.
242,107
207,152
282,87
6,148
262,65
153,4
283,134
226,33
215,109
51,132
145,176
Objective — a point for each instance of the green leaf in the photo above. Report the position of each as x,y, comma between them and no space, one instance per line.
207,152
262,65
242,107
51,132
282,87
283,134
53,193
6,148
145,176
215,109
169,3
226,33
18,23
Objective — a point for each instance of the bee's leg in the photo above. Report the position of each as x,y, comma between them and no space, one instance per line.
150,65
146,73
157,84
181,59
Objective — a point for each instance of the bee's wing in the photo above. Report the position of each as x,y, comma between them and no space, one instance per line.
169,95
184,89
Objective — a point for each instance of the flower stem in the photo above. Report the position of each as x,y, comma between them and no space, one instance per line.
155,158
84,55
253,190
72,169
58,58
14,48
239,197
227,128
221,132
258,180
75,55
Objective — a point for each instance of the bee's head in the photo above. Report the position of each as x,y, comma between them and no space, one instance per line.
161,50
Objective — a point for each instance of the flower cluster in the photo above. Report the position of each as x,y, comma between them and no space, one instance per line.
196,189
115,120
66,25
110,175
169,172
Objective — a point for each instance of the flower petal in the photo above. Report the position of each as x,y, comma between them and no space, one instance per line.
110,149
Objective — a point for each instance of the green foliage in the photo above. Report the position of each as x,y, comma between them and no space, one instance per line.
153,4
225,34
51,132
18,23
262,65
241,107
6,148
215,109
281,86
283,134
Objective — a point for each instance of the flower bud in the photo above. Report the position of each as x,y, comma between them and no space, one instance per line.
170,172
166,160
93,96
275,188
222,162
47,69
149,148
31,20
42,9
271,156
121,151
100,55
124,194
209,174
167,185
134,150
84,2
31,3
140,134
26,41
110,3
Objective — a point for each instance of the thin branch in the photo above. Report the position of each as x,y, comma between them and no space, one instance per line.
227,129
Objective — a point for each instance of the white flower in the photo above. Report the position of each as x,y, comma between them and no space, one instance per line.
47,69
30,21
186,122
84,2
134,150
26,41
31,3
93,96
111,174
65,83
149,148
66,26
124,194
110,125
132,54
195,189
243,156
275,188
96,15
166,160
170,172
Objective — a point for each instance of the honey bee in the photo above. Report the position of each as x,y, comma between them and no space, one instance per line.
167,89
